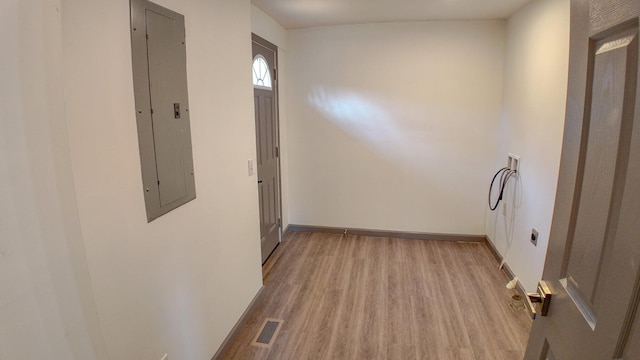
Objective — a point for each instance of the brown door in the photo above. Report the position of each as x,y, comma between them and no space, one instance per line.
265,92
593,260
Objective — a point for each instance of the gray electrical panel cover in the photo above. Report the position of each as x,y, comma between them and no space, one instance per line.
162,107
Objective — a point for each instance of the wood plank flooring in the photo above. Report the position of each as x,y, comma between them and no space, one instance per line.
357,297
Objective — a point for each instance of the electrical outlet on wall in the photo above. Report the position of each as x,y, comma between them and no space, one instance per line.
534,237
513,162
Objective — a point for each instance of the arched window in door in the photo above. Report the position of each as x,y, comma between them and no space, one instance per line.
261,73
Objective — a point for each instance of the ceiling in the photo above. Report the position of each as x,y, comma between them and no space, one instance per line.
293,14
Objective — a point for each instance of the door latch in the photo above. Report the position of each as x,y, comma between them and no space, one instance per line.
176,110
539,301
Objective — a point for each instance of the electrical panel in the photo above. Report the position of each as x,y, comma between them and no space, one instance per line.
162,107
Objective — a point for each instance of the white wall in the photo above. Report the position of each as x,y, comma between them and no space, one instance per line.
531,126
267,28
393,126
83,276
176,285
47,309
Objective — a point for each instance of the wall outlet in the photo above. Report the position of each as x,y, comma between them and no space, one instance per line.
513,162
534,237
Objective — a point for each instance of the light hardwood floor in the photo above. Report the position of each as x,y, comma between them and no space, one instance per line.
358,297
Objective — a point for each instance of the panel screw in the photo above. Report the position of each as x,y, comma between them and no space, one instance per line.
147,189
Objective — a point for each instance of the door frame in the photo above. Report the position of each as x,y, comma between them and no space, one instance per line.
276,88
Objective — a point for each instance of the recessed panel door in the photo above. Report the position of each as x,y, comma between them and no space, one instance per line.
593,260
267,143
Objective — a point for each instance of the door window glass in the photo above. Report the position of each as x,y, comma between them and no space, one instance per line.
261,73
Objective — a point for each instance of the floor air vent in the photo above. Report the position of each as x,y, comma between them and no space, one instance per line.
268,333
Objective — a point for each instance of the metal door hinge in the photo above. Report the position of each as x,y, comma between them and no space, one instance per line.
279,222
541,297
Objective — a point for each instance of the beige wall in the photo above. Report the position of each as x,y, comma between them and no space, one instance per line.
83,275
387,126
47,309
531,125
393,126
266,27
176,285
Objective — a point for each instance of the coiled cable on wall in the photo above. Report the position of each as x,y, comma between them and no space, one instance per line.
505,173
